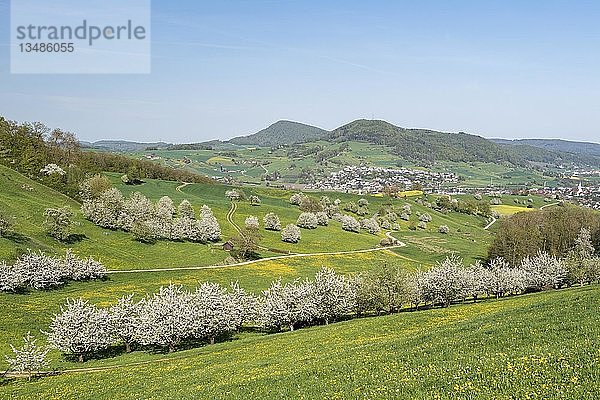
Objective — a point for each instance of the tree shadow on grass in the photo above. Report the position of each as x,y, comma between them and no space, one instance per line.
75,238
16,237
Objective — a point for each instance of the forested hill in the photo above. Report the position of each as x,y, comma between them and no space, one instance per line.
560,145
283,133
123,145
422,145
55,158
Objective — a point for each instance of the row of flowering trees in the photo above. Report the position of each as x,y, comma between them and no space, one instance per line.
175,316
36,270
148,221
167,318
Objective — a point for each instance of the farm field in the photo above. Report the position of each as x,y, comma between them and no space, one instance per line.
126,253
541,345
418,341
239,162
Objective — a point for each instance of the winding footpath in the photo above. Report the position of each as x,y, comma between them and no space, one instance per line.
549,205
299,255
488,226
184,184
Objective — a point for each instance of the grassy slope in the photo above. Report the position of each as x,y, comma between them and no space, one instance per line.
476,174
535,346
119,251
33,311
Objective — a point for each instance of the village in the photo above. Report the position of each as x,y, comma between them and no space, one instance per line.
364,179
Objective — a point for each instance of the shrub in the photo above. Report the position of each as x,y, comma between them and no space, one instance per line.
370,225
291,234
404,216
80,329
251,222
322,218
350,223
308,204
296,198
385,242
5,224
272,222
422,225
425,217
255,200
58,222
29,359
307,220
444,229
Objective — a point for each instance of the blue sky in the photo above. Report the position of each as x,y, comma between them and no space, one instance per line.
221,69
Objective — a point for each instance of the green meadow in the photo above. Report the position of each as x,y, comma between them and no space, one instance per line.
537,346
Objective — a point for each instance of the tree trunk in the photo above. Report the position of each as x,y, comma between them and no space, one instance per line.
171,348
127,347
212,340
81,357
291,327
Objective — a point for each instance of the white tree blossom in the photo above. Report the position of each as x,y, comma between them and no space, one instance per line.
166,317
212,312
124,320
291,234
322,218
186,210
425,217
255,200
80,329
272,222
370,225
165,208
335,296
349,223
287,305
29,359
251,222
544,270
504,279
58,222
137,208
444,282
296,198
52,169
105,211
307,220
233,195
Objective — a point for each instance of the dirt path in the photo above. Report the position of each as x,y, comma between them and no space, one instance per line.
184,184
488,226
300,255
549,205
230,217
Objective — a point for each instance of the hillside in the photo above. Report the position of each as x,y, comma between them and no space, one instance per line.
282,133
423,146
587,148
127,254
534,346
122,146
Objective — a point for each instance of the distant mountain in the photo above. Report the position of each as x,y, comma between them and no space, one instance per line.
560,145
427,146
123,145
282,133
424,145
